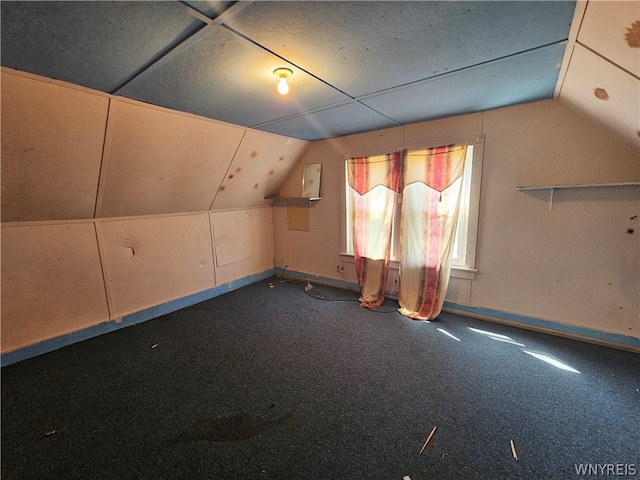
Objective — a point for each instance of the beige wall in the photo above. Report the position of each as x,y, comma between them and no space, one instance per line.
52,139
574,265
63,277
111,207
52,282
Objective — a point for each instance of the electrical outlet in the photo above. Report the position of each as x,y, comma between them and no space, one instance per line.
340,270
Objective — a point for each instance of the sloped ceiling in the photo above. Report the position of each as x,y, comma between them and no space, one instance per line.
358,66
72,153
603,75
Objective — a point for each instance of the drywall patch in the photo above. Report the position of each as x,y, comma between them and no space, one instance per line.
234,238
298,218
154,259
633,35
601,94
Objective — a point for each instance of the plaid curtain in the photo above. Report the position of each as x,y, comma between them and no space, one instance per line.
374,183
430,205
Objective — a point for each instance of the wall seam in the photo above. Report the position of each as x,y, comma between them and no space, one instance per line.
213,250
103,268
106,145
215,195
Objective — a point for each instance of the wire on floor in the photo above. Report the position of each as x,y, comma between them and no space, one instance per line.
308,287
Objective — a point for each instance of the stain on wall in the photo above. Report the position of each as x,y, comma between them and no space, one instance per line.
632,36
601,94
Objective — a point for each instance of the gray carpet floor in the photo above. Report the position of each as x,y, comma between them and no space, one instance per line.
274,382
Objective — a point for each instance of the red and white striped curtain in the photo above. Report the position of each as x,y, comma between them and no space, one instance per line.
374,183
430,181
430,205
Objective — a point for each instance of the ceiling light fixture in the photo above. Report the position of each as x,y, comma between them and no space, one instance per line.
283,74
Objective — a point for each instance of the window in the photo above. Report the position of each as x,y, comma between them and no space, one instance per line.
463,257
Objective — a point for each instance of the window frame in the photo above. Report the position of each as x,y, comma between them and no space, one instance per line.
460,268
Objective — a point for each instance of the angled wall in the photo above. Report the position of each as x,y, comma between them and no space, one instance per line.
151,260
52,139
156,161
52,282
114,210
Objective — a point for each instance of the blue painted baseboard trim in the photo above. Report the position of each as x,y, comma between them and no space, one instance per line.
586,334
319,279
128,320
52,344
589,334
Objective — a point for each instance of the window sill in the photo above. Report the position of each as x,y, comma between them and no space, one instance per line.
464,272
467,273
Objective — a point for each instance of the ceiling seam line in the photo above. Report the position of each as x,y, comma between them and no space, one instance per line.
159,56
574,32
220,18
461,69
306,112
320,109
232,30
573,50
196,14
381,114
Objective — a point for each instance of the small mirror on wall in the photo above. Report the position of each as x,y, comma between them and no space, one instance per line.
311,180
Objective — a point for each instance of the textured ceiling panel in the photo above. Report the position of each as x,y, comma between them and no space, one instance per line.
221,75
613,30
95,44
606,93
210,8
364,47
412,61
330,122
521,78
216,58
